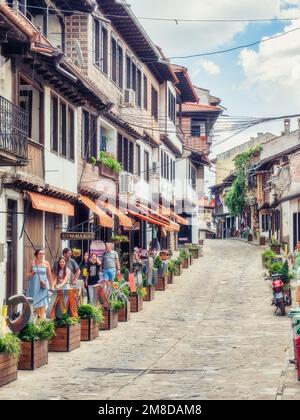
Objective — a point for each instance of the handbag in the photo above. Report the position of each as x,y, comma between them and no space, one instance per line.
42,282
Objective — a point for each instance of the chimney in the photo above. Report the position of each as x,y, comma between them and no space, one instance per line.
287,126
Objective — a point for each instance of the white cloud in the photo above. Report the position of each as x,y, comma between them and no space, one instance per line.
210,67
188,38
273,72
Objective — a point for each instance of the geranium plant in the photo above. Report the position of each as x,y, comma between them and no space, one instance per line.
109,160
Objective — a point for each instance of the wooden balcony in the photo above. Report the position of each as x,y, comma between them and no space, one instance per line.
13,134
35,167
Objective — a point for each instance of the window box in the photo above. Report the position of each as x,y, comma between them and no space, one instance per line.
107,172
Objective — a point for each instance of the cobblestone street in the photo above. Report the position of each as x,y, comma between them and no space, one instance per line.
211,335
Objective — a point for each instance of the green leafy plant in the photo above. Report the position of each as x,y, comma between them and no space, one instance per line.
236,198
157,262
171,266
141,291
43,330
117,305
66,320
184,254
10,344
268,255
107,159
91,312
120,238
178,261
93,160
125,272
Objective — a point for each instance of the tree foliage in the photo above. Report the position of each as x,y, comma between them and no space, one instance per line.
236,198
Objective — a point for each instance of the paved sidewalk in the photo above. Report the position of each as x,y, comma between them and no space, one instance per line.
211,335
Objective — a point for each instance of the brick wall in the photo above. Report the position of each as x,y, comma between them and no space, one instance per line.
198,143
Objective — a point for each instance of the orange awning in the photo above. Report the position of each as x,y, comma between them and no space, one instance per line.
165,211
179,219
151,212
51,204
123,219
104,219
147,218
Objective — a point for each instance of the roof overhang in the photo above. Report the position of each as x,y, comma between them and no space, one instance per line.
185,85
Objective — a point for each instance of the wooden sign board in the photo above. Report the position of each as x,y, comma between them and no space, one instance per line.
77,236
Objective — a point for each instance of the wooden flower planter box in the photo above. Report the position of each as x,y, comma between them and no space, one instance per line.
110,319
262,240
107,172
195,253
162,283
191,259
150,293
186,263
178,270
34,355
250,237
124,314
67,338
8,368
170,278
89,329
136,303
276,249
201,241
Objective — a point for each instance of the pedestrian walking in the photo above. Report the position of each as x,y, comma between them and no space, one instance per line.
84,266
62,275
40,280
71,264
110,263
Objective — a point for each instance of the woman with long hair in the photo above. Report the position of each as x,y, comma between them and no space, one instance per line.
40,280
62,275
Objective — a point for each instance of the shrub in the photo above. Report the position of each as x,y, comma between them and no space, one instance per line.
91,312
66,320
10,344
43,330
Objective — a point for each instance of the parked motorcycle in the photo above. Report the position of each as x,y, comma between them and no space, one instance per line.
281,298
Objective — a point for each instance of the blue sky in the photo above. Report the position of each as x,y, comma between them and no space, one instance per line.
263,80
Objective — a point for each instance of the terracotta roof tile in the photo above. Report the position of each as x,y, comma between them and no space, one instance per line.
191,107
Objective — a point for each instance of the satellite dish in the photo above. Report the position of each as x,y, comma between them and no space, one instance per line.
79,57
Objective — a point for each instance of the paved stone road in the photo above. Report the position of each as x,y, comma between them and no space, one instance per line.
211,335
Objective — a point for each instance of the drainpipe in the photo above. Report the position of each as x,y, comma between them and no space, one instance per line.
63,71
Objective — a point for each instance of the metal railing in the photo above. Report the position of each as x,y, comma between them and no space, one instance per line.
13,129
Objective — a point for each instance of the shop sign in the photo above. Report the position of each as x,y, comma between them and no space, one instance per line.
77,236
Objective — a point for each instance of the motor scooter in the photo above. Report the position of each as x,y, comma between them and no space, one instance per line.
281,299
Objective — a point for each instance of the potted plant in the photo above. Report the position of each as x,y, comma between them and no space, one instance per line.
171,271
276,246
164,255
110,314
250,237
267,257
10,348
149,288
121,293
109,166
34,344
262,240
195,251
178,266
185,256
67,334
162,280
90,318
136,299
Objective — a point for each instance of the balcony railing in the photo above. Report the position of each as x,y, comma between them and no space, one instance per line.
13,129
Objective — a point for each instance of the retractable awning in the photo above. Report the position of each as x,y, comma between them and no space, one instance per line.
146,218
51,204
123,219
104,219
179,219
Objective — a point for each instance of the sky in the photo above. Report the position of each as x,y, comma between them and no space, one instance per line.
262,80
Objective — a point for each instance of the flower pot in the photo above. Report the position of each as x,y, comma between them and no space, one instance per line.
171,278
67,338
124,313
89,329
8,368
195,253
34,355
164,255
178,270
150,293
110,319
162,283
276,248
250,237
136,303
262,240
107,172
186,263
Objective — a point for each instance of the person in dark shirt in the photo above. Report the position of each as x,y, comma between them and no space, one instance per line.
93,270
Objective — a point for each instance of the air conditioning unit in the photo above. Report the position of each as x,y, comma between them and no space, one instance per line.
129,98
126,183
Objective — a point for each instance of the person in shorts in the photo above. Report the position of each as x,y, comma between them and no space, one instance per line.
110,263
